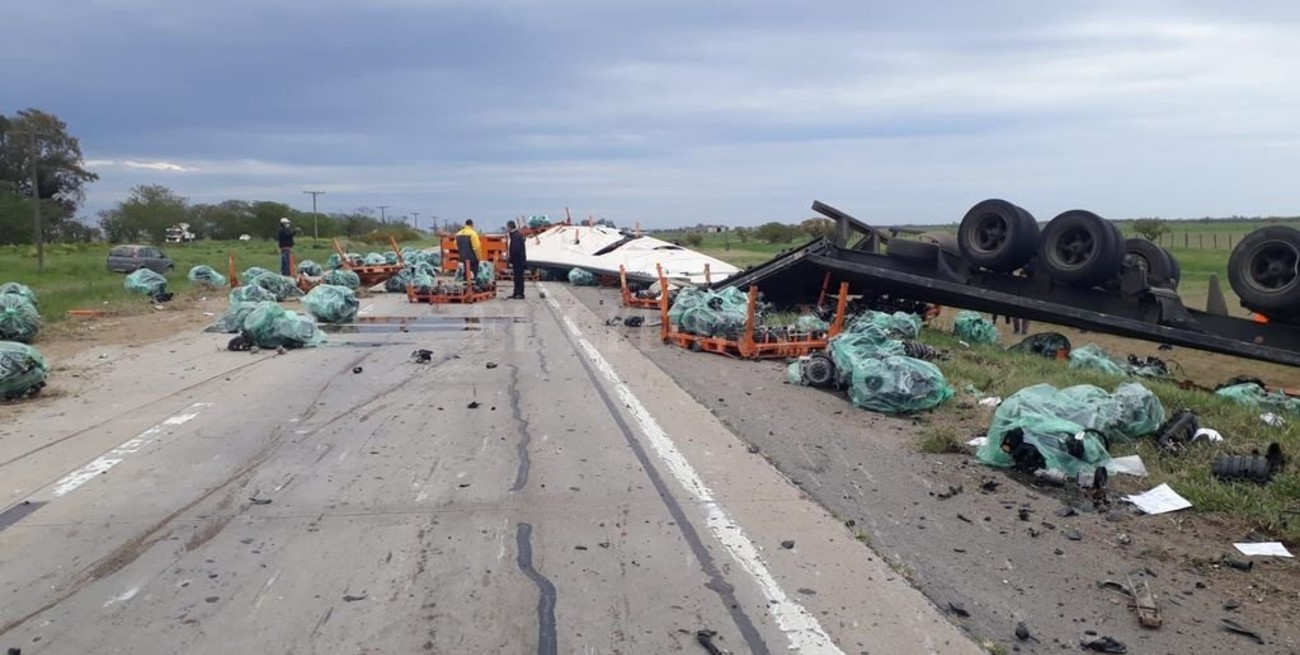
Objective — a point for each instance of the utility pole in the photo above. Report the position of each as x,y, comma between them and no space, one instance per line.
382,214
416,216
36,208
315,220
435,224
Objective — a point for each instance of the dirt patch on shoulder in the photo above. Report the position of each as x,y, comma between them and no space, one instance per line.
66,339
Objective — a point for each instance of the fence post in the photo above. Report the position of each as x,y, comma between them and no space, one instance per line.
1216,240
1185,236
1229,242
1201,238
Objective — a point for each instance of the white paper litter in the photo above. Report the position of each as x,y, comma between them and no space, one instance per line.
977,441
1131,465
991,401
1211,435
1160,500
1272,419
1264,549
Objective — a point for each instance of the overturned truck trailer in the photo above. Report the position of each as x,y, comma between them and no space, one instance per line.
1078,270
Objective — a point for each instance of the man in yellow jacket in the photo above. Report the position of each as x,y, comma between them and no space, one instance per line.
469,248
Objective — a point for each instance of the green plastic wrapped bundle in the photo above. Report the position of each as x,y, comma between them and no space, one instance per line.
374,259
1044,344
486,276
331,304
581,278
342,277
334,262
145,282
422,283
424,267
899,325
249,293
536,222
271,326
390,257
310,268
397,283
207,277
1092,357
850,349
688,298
280,287
1250,394
811,323
232,320
896,384
356,259
1139,411
19,289
973,328
433,259
19,320
22,369
717,313
252,273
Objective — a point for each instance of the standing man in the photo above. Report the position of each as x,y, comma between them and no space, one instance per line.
517,258
285,237
469,248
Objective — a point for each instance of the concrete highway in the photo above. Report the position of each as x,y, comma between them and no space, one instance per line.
534,488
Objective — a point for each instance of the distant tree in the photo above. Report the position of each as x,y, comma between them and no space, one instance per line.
693,239
145,215
1151,228
742,233
775,232
818,227
60,172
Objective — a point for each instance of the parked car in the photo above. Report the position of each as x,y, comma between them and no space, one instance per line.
131,258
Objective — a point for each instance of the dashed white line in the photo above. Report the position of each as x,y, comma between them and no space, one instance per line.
115,456
800,627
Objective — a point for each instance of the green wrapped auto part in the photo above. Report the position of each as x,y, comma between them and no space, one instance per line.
397,283
206,276
342,277
535,222
390,257
331,304
280,287
19,320
249,293
334,262
899,325
811,323
973,328
310,268
1070,428
272,326
1092,357
688,298
19,289
252,273
1251,394
716,313
849,349
22,369
486,276
1044,344
232,320
582,278
374,259
145,282
422,283
895,384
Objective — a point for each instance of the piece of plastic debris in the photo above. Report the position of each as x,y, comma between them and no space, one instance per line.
422,356
1263,549
1092,357
1272,420
1237,628
1208,434
991,401
1159,500
978,441
1129,465
705,639
1104,645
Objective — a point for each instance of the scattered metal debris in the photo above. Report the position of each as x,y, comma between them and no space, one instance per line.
705,639
1104,645
1022,632
349,598
958,609
491,365
952,491
788,544
422,356
473,404
357,369
259,501
1237,628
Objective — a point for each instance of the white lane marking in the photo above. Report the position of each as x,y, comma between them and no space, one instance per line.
801,628
115,456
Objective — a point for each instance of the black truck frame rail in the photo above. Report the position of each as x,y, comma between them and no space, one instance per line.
1130,308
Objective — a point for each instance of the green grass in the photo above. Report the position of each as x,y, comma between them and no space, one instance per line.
996,372
75,276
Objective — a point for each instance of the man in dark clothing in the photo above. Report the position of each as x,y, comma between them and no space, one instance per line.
469,248
285,237
517,258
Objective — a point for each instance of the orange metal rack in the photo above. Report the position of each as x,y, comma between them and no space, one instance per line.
465,297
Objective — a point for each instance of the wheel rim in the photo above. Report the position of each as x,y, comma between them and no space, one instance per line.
1139,261
1273,266
989,232
1074,248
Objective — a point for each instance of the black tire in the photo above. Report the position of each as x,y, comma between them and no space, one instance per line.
1264,271
998,235
1154,260
1081,248
917,251
1178,269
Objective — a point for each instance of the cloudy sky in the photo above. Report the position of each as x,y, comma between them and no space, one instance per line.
672,111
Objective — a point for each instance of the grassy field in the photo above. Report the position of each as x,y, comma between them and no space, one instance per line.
76,277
